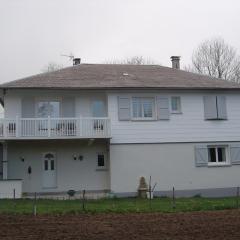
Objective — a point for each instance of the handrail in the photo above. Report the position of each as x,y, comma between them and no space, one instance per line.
81,127
13,119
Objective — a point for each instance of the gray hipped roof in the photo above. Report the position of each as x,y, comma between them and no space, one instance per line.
114,76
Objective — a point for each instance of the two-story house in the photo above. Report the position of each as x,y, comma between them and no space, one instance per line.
100,127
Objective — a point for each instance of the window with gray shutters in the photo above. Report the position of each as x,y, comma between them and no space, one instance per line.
142,108
215,107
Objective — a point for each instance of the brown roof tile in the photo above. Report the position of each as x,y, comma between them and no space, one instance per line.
111,76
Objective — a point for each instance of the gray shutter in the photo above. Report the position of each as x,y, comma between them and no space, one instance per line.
163,108
124,108
221,107
201,155
210,107
68,107
235,153
28,107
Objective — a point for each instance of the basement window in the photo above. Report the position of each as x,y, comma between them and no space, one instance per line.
101,162
217,155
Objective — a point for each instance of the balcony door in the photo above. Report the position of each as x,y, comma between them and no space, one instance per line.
48,108
98,111
44,110
49,170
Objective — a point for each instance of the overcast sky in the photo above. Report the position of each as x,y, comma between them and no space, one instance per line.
36,32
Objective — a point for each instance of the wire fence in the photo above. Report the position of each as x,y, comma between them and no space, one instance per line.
84,202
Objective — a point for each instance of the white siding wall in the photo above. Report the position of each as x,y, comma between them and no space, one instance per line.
12,106
189,126
83,100
169,165
186,127
71,174
9,188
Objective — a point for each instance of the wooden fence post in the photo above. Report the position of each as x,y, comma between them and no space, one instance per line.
173,199
150,192
237,193
35,204
14,193
83,200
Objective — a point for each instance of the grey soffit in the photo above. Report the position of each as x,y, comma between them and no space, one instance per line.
118,76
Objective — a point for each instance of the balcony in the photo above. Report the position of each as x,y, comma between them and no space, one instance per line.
55,128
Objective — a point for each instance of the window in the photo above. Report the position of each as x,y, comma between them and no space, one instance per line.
217,155
176,105
101,161
46,108
52,164
46,165
142,108
98,108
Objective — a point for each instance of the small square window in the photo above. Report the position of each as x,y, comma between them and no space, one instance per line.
101,161
217,155
176,104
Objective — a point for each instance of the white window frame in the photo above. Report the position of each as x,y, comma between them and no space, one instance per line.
105,161
217,163
179,111
48,99
153,109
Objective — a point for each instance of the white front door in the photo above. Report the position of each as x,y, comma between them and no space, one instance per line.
49,170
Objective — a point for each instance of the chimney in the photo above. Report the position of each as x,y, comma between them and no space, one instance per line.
175,62
76,61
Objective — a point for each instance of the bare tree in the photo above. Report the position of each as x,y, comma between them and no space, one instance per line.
135,60
217,59
52,66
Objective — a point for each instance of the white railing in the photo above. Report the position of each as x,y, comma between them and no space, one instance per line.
55,128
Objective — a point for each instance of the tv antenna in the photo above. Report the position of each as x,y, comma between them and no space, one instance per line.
70,56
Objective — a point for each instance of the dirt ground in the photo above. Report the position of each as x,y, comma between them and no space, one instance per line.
198,225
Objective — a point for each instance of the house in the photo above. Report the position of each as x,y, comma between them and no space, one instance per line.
101,127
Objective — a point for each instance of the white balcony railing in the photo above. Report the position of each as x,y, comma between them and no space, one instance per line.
55,128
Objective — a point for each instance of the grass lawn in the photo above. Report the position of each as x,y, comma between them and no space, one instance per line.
117,205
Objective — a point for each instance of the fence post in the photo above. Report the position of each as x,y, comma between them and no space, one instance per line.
14,193
14,197
83,200
150,192
173,199
35,204
237,195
